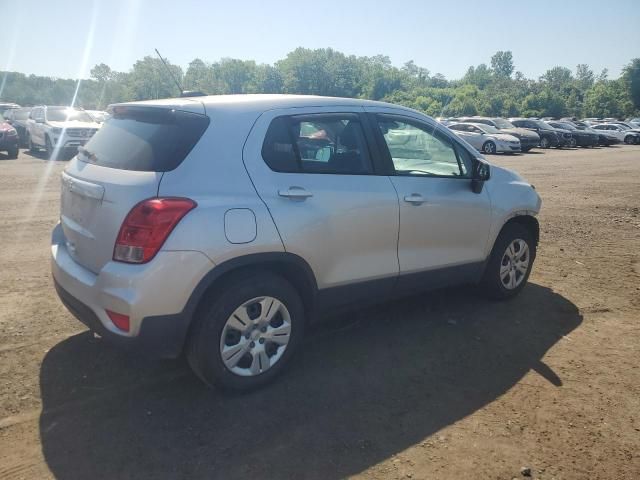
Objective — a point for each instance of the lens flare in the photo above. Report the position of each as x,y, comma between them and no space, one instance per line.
32,207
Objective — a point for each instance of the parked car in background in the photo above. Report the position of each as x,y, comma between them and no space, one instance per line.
635,121
628,126
583,138
164,250
486,138
98,115
528,139
621,133
548,136
19,118
59,129
603,139
7,106
8,138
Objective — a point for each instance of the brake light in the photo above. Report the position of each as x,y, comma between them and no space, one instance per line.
147,226
119,320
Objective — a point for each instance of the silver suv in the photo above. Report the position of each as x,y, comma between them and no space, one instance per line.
224,225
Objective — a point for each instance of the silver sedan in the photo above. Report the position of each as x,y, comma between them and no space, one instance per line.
486,138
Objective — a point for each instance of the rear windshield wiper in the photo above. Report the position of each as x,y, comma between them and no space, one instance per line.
92,157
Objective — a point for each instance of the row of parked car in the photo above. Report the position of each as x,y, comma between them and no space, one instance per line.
499,135
58,130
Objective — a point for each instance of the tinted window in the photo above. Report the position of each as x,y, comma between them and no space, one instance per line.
277,149
421,149
317,144
501,123
144,139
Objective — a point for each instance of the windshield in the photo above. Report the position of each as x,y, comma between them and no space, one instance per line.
488,128
541,125
21,114
63,114
501,123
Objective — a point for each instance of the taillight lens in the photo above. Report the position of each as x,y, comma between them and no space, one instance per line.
147,226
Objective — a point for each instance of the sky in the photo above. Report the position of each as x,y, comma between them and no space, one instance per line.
64,38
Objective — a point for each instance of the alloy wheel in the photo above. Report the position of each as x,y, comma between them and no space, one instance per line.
489,147
514,264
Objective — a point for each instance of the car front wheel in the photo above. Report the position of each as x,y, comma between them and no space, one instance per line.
32,146
246,334
13,152
510,262
489,147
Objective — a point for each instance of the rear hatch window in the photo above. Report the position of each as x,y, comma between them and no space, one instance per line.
144,139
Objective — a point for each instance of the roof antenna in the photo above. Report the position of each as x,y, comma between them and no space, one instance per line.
169,70
183,93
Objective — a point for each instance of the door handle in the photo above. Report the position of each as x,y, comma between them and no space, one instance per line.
295,193
415,199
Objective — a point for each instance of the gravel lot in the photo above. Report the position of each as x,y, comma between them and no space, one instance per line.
445,385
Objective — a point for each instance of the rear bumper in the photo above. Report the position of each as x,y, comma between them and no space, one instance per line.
153,295
159,337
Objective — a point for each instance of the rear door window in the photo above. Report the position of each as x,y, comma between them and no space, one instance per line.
332,144
146,139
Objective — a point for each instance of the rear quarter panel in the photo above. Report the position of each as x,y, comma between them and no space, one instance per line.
214,176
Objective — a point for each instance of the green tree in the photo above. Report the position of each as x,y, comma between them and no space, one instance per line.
558,78
150,79
631,76
502,63
584,77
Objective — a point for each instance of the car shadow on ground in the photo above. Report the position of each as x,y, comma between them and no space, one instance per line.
42,155
363,387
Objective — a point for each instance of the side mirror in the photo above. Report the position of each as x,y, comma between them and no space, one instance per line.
481,173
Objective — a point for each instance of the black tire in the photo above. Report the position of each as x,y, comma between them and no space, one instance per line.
32,146
489,147
544,142
491,282
13,152
49,148
629,140
203,352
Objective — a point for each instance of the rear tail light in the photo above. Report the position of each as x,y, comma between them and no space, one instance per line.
119,320
147,226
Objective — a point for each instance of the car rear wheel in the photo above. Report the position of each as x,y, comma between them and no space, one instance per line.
489,147
246,334
510,262
544,143
629,140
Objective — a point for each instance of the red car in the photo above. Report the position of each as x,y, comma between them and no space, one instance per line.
8,139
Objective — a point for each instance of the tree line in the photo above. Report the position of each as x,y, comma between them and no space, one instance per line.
494,90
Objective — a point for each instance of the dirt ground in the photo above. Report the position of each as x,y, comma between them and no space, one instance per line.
446,385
